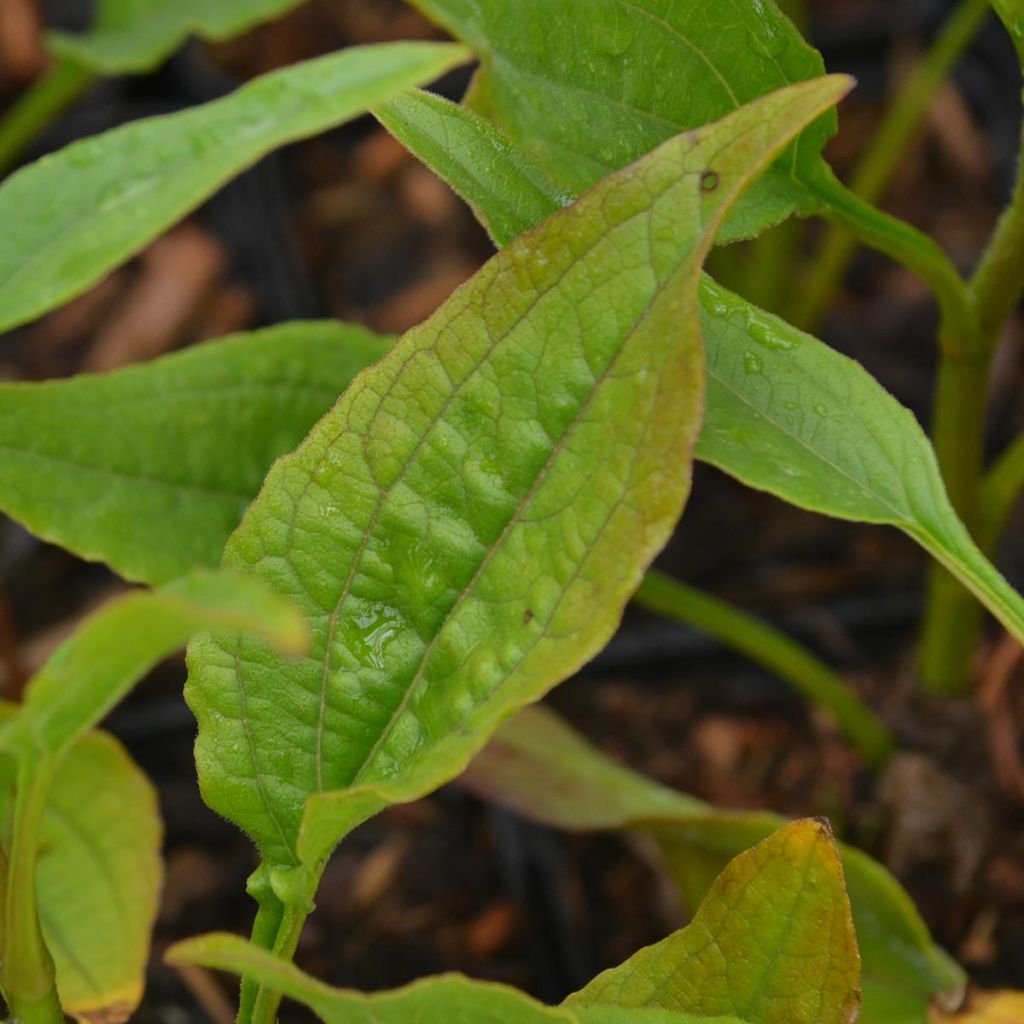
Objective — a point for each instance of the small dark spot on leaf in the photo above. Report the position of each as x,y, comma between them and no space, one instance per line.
527,617
709,181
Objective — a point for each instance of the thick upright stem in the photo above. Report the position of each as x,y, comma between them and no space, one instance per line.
952,619
952,615
265,1001
28,969
874,170
54,91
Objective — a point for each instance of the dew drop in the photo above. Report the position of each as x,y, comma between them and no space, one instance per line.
752,363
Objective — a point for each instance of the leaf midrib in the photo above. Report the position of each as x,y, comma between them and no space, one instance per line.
386,492
898,519
514,519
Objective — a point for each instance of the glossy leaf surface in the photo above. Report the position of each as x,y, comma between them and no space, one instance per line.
541,768
788,415
507,188
98,876
176,448
464,527
132,36
785,413
95,667
589,102
98,201
772,942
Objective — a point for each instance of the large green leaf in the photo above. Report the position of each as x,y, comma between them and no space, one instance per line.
131,36
772,943
464,527
72,216
98,876
589,102
785,413
540,767
97,665
451,998
788,415
176,448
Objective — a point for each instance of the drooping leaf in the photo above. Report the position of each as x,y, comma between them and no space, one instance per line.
132,36
785,413
176,448
772,943
464,527
541,768
72,216
98,876
788,415
449,997
590,102
93,669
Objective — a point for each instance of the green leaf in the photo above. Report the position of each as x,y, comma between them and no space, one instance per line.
74,215
449,997
785,413
98,876
543,769
177,447
772,942
617,1015
132,36
788,415
92,670
589,102
506,187
464,527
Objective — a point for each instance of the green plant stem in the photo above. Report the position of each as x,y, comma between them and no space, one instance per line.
28,970
51,93
875,169
952,617
960,329
265,1002
776,652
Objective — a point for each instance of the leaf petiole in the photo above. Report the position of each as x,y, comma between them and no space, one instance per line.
28,973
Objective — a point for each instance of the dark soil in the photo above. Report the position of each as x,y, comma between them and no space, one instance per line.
349,226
